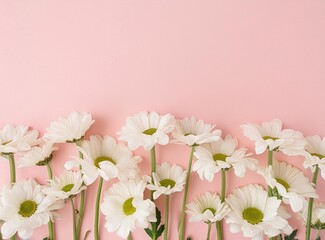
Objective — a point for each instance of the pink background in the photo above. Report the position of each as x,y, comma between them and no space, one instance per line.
227,62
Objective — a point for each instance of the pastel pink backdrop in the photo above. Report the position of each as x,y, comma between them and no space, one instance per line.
227,62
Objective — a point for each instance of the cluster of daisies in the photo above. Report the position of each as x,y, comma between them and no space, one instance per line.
251,209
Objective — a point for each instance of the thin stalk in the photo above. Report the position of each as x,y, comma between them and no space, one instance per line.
73,220
130,236
153,169
12,168
50,224
310,206
223,195
166,218
49,171
82,202
99,191
269,163
182,220
209,230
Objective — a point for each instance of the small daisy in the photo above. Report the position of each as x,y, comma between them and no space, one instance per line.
68,185
17,139
147,129
38,156
255,214
70,129
166,180
24,207
315,154
290,184
318,216
271,136
194,132
222,154
207,208
125,209
106,158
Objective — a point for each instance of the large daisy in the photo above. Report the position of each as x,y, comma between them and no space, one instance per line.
125,208
17,139
106,158
166,180
147,129
222,154
270,136
70,129
315,154
24,207
256,214
194,132
289,183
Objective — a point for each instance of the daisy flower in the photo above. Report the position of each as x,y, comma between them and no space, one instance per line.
24,207
147,129
318,216
70,129
38,156
125,209
106,158
194,132
17,139
270,136
68,185
289,183
255,214
315,154
222,155
166,180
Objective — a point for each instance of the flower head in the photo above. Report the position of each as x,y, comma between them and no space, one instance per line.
166,180
207,208
315,154
106,158
17,139
222,154
147,129
289,183
124,201
271,136
255,214
318,216
24,207
68,185
70,129
194,132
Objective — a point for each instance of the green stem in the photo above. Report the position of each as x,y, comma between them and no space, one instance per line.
49,171
153,159
12,168
73,220
82,201
182,220
166,218
222,197
130,236
99,191
209,230
269,163
50,224
310,206
318,234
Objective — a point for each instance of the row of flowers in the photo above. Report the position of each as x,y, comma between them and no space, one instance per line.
25,205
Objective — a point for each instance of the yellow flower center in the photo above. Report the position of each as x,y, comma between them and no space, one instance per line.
283,183
101,159
27,208
150,131
318,155
167,183
211,209
128,207
253,215
269,137
219,157
67,188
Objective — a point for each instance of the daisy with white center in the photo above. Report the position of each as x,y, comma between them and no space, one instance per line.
125,208
24,207
255,214
207,208
147,129
289,183
222,155
71,129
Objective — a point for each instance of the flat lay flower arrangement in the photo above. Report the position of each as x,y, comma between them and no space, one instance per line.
253,210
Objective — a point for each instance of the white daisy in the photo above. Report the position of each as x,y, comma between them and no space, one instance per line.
318,216
290,184
166,180
194,132
125,209
315,154
68,185
24,207
147,129
38,156
222,154
17,139
207,208
271,136
255,214
105,158
70,129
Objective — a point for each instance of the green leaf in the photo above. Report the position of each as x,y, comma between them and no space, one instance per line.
158,216
318,238
188,238
160,230
149,232
46,238
292,235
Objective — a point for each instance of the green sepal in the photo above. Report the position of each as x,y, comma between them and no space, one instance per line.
318,238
